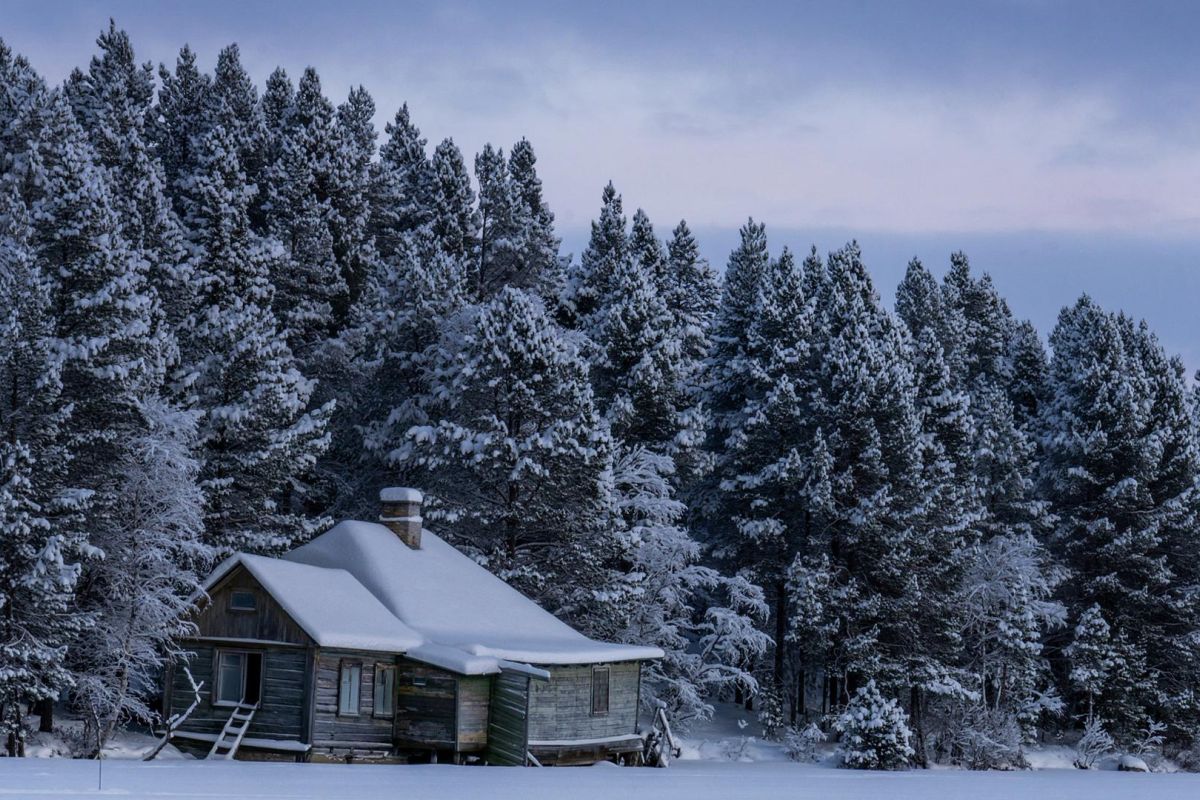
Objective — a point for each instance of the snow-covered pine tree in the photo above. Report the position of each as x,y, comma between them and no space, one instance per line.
257,437
152,568
1000,605
542,269
727,384
875,732
517,245
1121,469
108,328
113,102
873,560
233,104
498,231
398,322
692,294
638,372
1092,656
309,282
648,253
177,121
515,454
1027,388
402,194
43,539
772,472
590,280
350,193
455,219
728,377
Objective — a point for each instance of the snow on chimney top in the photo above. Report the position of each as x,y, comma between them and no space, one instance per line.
400,512
399,494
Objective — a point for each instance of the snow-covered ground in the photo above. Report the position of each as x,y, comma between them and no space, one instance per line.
686,780
723,759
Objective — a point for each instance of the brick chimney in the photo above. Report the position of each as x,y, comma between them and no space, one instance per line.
400,510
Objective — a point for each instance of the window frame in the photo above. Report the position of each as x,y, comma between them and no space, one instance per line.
607,673
344,667
219,682
390,712
241,609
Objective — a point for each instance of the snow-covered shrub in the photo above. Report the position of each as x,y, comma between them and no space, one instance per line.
1150,739
737,749
801,745
1093,745
1189,758
770,714
875,732
984,738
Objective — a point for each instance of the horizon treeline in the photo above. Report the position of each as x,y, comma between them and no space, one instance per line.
233,313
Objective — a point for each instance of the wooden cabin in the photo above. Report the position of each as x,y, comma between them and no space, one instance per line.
380,641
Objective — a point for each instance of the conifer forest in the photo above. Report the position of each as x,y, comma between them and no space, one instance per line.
233,311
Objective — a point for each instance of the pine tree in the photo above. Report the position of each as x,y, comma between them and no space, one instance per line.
864,403
402,197
179,120
515,453
417,290
772,471
1092,655
454,219
310,285
692,293
638,371
728,376
541,267
980,466
113,102
498,232
109,326
257,438
591,280
648,252
1121,470
233,104
354,149
44,541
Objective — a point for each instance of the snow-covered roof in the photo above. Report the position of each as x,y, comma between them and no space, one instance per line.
470,620
327,603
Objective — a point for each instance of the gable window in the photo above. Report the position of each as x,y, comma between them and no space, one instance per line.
599,691
349,688
385,690
239,677
242,600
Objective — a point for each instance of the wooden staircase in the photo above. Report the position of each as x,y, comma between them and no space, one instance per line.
231,736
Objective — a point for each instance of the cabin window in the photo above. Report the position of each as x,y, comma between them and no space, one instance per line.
349,689
242,601
599,691
239,677
385,690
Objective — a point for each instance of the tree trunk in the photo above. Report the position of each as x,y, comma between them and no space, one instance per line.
45,711
917,718
781,629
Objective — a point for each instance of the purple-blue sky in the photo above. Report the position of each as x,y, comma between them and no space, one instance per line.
1058,143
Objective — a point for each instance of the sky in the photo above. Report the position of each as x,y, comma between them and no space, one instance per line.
1056,143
